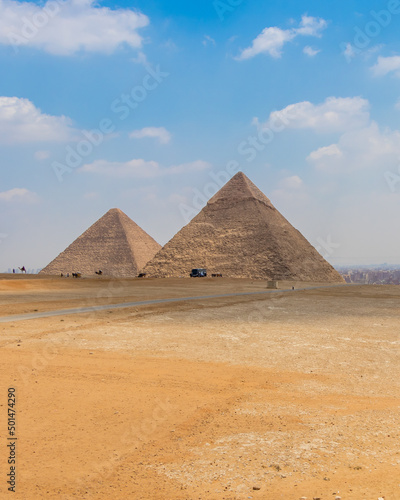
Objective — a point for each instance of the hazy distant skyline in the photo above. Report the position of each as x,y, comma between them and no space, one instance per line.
149,106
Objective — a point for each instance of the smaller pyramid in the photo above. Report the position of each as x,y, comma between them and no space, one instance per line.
114,244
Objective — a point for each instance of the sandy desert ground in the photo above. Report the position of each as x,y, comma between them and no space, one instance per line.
283,396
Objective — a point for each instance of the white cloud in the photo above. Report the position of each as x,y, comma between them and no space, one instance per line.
194,166
349,52
336,114
42,155
373,50
91,195
170,46
21,122
386,65
361,143
309,51
141,169
141,59
159,133
294,182
18,195
207,40
364,148
66,27
311,26
290,191
134,168
177,199
325,152
271,40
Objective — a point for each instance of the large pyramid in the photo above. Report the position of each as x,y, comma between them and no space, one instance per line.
240,234
114,244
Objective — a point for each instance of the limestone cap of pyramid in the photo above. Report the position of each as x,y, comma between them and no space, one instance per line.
240,188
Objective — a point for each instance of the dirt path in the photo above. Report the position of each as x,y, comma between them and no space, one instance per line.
91,309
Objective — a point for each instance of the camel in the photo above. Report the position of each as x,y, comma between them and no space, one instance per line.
22,269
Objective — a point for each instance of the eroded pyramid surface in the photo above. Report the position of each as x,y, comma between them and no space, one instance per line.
114,244
239,233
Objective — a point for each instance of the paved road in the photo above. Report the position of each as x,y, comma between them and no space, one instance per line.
89,309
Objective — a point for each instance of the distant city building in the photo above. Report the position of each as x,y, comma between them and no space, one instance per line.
369,276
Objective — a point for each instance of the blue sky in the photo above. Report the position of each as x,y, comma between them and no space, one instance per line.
149,106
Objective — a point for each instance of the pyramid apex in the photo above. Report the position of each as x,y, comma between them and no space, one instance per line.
239,175
238,188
